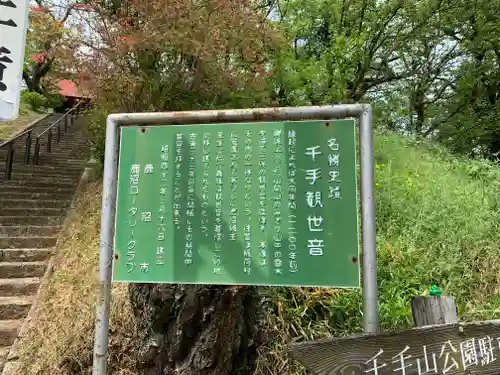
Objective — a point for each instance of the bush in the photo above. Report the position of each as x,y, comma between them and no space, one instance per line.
97,128
34,100
54,100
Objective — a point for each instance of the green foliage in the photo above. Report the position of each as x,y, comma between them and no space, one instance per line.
437,223
431,67
340,50
97,129
35,100
54,100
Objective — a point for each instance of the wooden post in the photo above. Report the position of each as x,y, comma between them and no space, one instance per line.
432,310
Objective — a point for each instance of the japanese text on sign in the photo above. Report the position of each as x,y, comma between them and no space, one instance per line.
449,359
446,349
314,197
251,203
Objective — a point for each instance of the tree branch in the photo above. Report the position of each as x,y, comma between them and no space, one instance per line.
68,12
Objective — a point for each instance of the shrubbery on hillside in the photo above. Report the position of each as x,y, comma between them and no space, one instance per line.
437,221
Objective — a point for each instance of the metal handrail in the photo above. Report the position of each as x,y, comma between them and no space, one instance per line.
68,120
28,130
10,143
59,119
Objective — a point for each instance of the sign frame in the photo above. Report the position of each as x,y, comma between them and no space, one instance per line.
297,178
362,112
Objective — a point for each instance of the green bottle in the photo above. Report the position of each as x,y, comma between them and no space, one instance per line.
435,291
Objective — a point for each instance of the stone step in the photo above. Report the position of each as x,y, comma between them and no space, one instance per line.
67,163
27,242
42,170
31,220
39,203
72,131
31,211
25,255
37,195
15,307
67,141
44,182
29,170
66,150
62,161
4,353
16,175
66,147
71,137
26,286
8,331
25,175
16,270
29,230
73,157
70,141
9,187
56,153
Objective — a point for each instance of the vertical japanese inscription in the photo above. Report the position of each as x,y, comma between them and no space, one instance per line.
219,175
4,21
4,59
204,184
277,199
247,232
5,51
233,204
161,229
292,203
133,190
314,200
146,216
333,173
190,200
176,205
263,196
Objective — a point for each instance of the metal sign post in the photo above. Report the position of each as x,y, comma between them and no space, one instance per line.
298,123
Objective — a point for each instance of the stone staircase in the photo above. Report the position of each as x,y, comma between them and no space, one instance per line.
33,206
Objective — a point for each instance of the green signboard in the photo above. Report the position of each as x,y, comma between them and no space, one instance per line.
271,203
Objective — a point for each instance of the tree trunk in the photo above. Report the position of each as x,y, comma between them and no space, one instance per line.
419,125
196,329
33,79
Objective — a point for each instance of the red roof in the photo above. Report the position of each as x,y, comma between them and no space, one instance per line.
39,8
87,7
68,88
38,57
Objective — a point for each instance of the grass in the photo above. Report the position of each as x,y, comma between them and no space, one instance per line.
26,116
437,222
61,340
